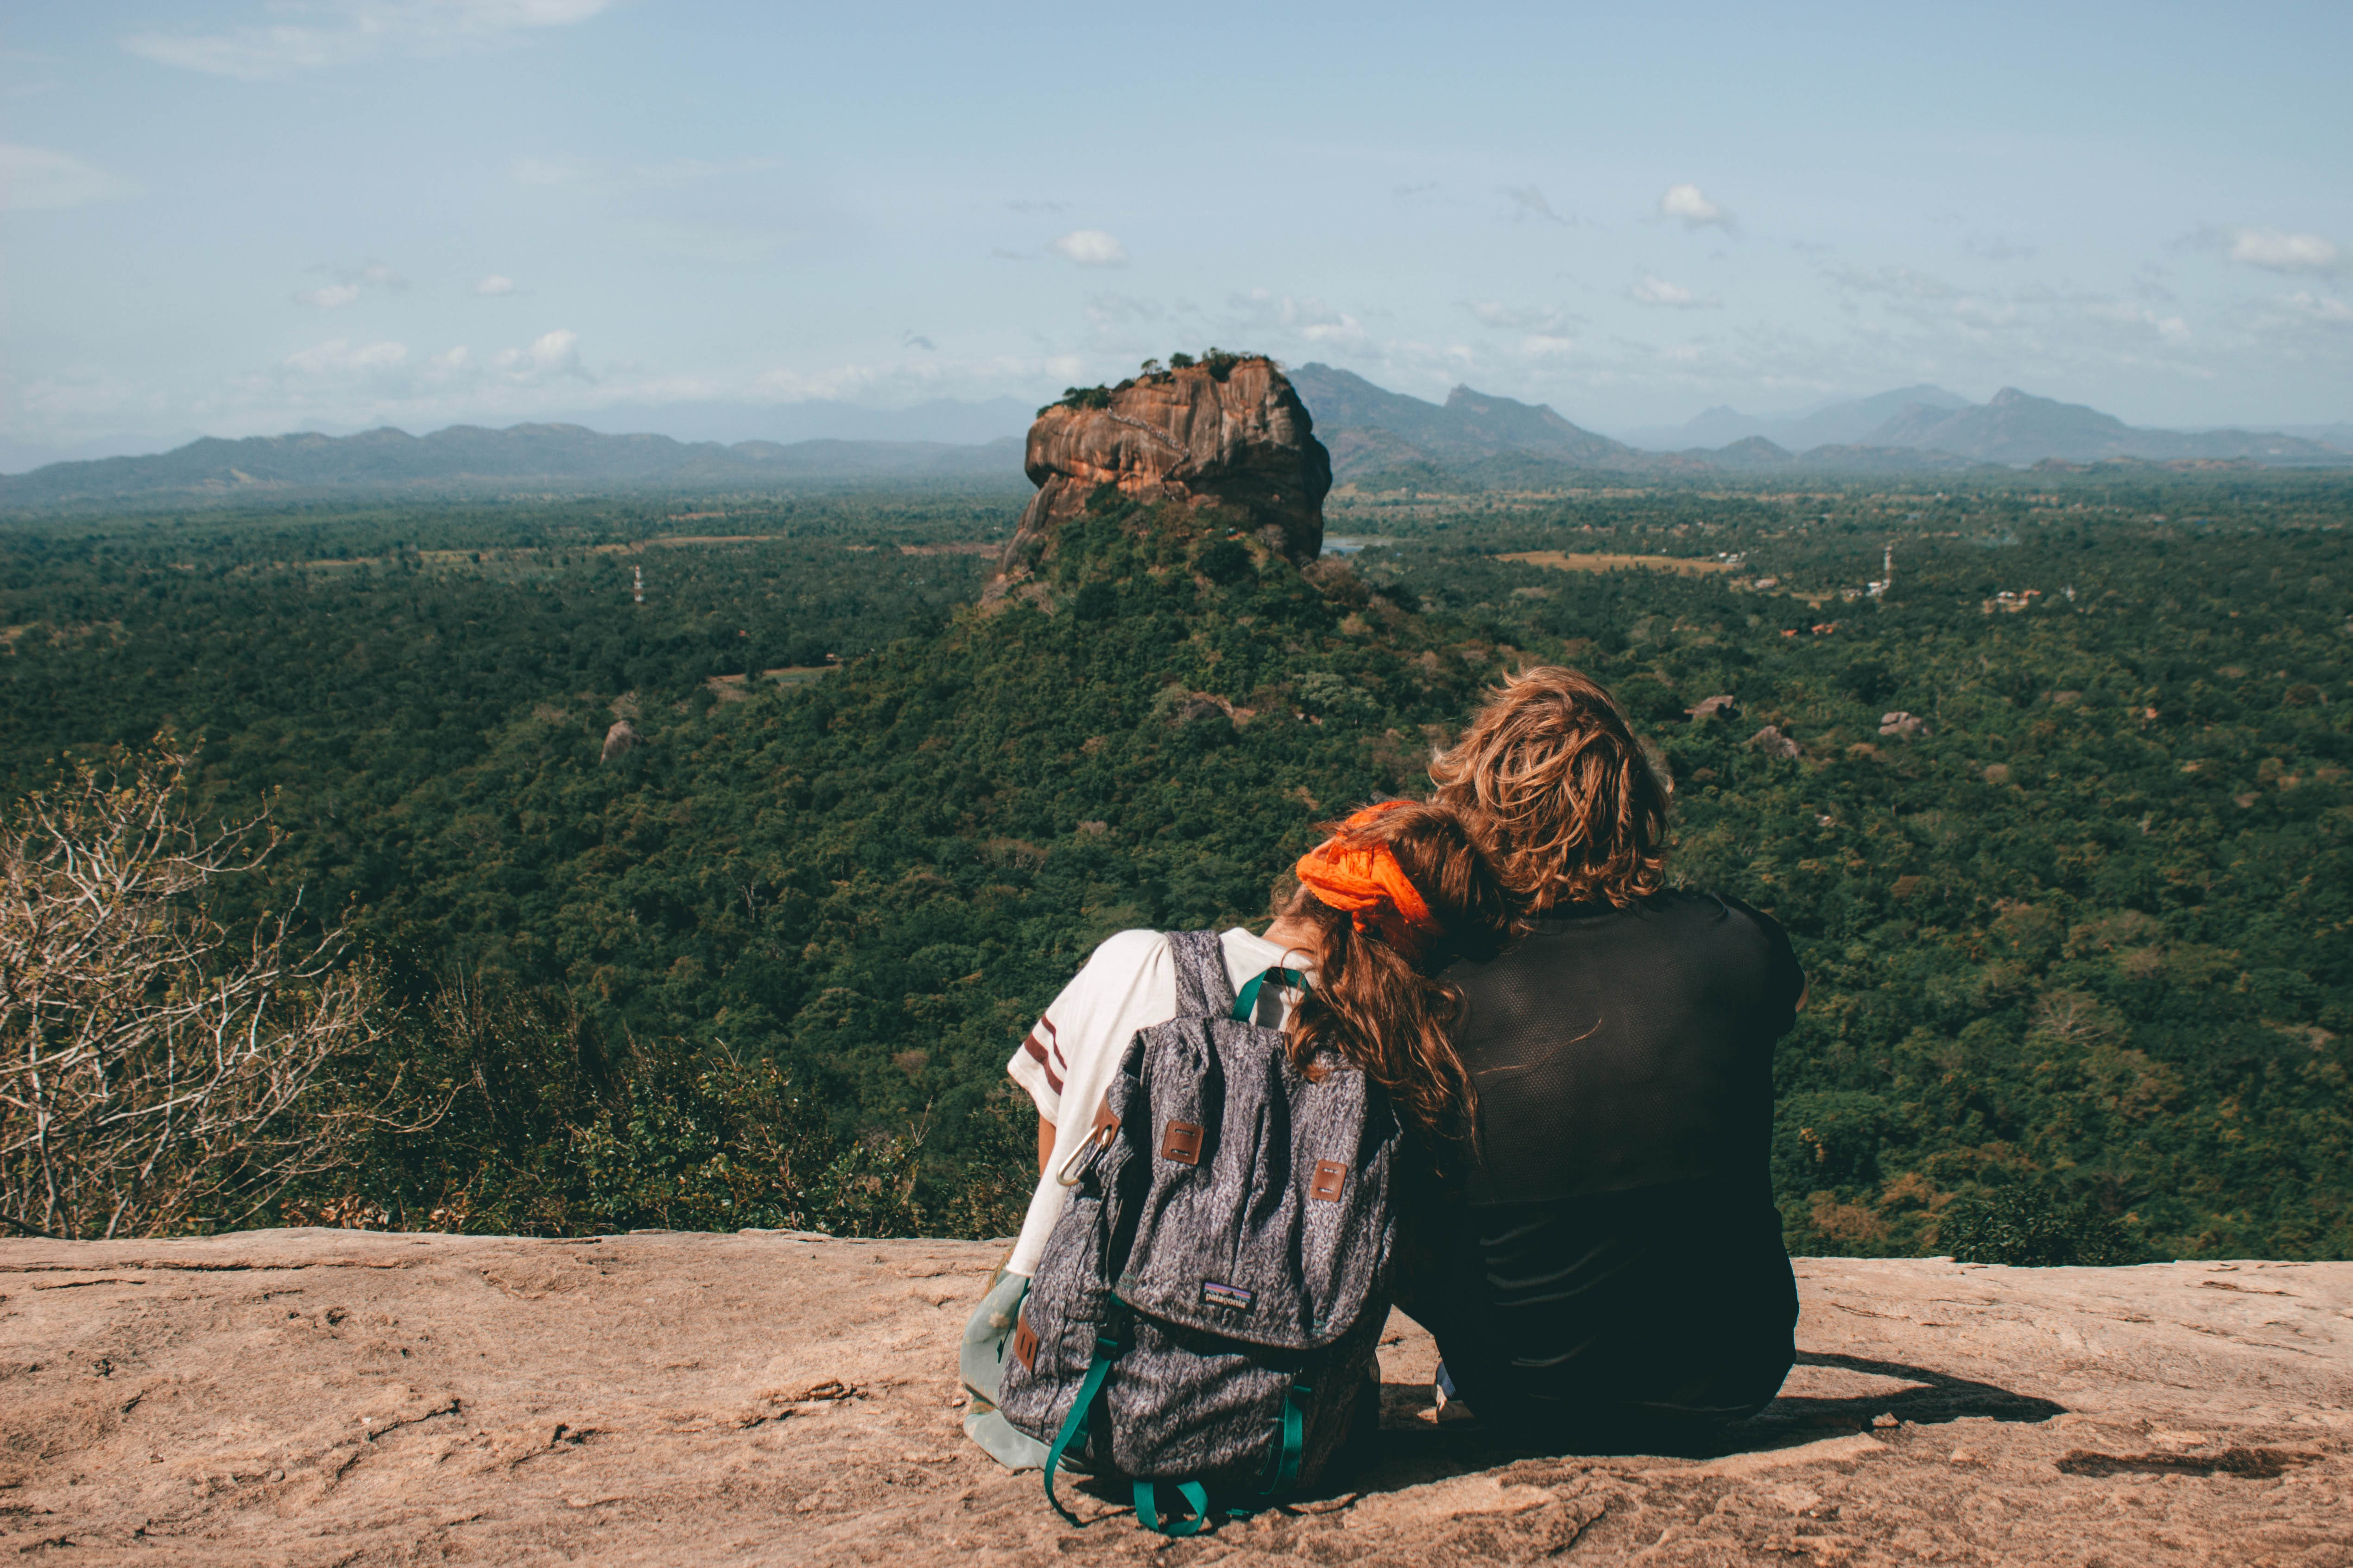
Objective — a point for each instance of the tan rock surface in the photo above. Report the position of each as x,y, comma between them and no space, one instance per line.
318,1397
1241,440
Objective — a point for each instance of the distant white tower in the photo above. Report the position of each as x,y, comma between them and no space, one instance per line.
1886,573
640,588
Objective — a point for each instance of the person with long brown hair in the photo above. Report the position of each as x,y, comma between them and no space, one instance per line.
1393,895
1610,1274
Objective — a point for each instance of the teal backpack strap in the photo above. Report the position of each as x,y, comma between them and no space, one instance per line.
1246,1005
1147,1509
1108,1349
1295,1436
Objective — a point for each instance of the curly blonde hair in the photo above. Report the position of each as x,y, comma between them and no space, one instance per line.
1553,771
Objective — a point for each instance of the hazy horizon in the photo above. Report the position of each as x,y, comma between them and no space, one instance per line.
263,215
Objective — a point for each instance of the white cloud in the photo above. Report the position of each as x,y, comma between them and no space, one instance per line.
551,355
1653,290
2321,307
2170,328
1104,309
1999,249
2277,250
1516,318
612,177
1689,204
346,31
1304,319
726,243
1902,282
1091,247
338,359
349,284
495,284
1531,203
35,179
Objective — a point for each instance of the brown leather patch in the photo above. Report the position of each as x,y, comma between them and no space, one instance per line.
1182,1144
1024,1342
1331,1177
1105,1122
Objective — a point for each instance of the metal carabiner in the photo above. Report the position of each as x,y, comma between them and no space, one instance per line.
1082,1158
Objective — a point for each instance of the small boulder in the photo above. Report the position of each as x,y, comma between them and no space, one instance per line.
1773,743
1708,708
1904,726
622,737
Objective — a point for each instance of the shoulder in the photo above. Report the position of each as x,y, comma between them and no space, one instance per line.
1747,939
1120,961
1700,906
1755,917
1129,950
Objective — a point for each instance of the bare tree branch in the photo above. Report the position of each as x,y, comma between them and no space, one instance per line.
159,1072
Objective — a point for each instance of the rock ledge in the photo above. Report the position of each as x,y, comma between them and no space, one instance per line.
315,1397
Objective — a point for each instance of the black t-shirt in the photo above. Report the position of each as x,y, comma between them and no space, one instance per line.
1615,1243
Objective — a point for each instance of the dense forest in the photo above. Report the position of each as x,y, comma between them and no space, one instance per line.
2057,817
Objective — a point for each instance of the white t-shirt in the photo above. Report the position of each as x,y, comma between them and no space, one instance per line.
1069,1057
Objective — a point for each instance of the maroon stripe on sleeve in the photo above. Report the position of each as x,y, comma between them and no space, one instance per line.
1036,1051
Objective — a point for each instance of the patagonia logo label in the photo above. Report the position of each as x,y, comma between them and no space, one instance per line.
1216,1295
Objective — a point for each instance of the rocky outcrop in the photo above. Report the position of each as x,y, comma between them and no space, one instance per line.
1902,726
1231,435
322,1396
1709,707
621,740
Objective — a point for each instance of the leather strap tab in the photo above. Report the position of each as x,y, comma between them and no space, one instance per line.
1182,1144
1024,1342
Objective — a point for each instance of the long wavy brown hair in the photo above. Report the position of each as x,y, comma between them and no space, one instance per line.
1383,1006
1552,773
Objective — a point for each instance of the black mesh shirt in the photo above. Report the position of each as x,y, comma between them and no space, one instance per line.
1614,1253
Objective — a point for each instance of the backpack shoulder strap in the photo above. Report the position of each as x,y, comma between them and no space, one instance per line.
1203,990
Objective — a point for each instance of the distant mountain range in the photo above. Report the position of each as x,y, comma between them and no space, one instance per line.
469,457
2014,428
1481,439
1378,437
1842,424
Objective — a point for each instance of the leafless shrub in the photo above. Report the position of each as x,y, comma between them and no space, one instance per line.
159,1072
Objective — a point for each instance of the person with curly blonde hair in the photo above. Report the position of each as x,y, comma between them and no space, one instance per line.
1609,1272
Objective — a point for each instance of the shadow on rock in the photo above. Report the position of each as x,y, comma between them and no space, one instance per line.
1413,1449
1923,1397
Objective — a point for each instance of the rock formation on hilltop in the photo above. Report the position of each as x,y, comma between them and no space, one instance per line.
1230,433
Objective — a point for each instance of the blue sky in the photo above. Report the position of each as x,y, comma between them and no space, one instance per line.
258,215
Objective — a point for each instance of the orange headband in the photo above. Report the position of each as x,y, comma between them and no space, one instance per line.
1365,880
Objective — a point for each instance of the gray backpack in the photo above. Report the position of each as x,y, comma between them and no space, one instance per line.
1206,1313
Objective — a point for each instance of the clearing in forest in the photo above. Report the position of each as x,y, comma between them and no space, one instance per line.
1562,561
